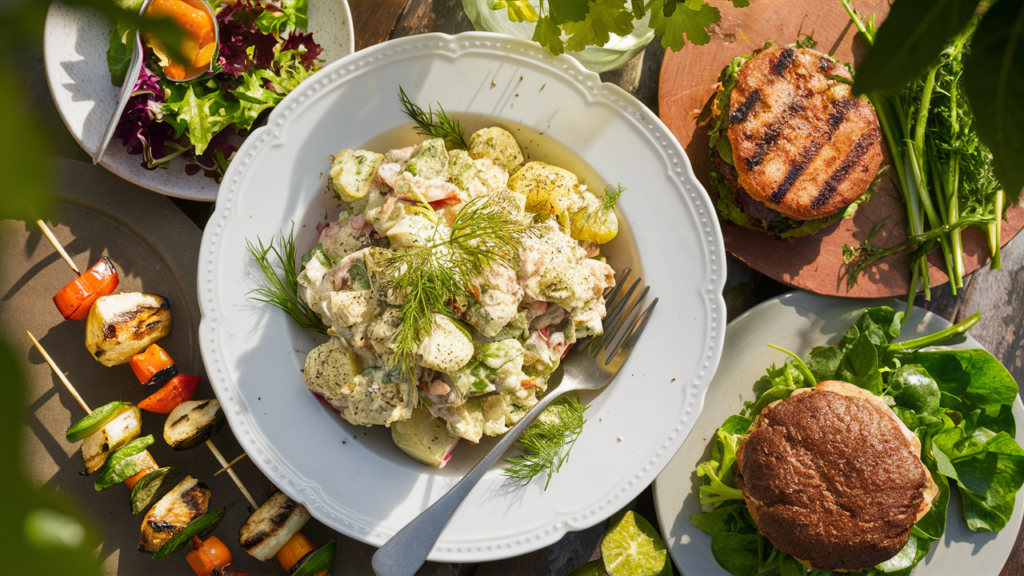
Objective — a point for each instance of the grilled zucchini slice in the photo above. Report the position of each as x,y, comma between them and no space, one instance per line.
192,423
271,526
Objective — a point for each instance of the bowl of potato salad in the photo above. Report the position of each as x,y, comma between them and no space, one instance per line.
401,259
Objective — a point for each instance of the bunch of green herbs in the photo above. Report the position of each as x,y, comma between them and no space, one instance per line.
957,402
945,173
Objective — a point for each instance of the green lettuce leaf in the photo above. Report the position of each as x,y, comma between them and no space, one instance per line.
201,116
119,53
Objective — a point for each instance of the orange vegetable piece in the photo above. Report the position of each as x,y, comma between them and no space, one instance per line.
293,550
74,300
154,366
208,556
178,390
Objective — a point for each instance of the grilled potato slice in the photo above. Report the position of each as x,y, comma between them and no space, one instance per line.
122,325
172,513
192,423
271,526
121,430
352,172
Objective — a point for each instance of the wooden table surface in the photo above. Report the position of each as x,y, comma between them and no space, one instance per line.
998,294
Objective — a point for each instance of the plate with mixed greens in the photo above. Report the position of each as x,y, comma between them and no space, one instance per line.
954,401
178,138
410,174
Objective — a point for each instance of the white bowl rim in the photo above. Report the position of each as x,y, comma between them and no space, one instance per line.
713,302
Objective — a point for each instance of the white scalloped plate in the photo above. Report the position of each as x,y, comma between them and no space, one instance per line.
75,42
354,479
797,321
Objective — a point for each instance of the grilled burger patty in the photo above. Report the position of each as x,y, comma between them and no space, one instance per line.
801,143
833,478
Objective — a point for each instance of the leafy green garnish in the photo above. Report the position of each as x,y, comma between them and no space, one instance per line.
119,54
283,293
434,125
430,278
287,15
958,402
611,196
547,442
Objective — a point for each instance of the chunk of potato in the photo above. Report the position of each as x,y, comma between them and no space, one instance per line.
120,326
498,145
352,172
431,161
548,189
593,223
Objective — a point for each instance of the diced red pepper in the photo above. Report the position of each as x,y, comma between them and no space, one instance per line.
154,366
179,389
74,300
208,556
445,202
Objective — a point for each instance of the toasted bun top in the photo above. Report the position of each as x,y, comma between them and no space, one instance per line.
833,478
801,143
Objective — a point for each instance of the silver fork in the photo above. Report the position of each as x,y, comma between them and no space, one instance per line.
590,367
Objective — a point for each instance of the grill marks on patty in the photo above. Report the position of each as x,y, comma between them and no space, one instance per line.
843,171
799,138
797,169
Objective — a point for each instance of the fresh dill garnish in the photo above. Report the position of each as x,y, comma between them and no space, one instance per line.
611,196
280,293
434,125
431,278
547,442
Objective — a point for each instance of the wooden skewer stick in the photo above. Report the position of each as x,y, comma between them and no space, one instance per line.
223,462
59,373
209,444
230,464
60,249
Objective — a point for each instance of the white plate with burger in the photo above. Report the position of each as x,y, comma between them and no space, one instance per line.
798,321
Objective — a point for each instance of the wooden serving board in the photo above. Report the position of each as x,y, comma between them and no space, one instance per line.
812,263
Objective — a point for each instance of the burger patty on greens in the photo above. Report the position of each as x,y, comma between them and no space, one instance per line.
791,150
833,477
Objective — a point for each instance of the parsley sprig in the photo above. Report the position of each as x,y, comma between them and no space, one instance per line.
592,22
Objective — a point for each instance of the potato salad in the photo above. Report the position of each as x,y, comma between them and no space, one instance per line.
491,344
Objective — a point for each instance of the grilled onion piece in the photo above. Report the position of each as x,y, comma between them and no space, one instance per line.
172,513
121,430
122,325
271,526
192,423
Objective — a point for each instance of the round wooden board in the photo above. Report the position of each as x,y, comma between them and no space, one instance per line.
812,263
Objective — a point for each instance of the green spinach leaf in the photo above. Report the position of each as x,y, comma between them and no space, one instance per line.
119,54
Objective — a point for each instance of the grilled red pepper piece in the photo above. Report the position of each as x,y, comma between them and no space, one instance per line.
74,300
154,366
179,389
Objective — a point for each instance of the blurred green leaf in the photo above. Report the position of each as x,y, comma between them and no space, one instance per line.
994,81
909,41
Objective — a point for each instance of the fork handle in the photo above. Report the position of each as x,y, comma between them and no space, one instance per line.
407,550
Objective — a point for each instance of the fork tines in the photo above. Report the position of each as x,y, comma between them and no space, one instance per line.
622,313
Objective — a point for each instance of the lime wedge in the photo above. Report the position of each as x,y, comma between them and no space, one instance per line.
632,547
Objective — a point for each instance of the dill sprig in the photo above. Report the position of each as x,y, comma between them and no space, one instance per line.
547,442
431,278
611,197
435,125
283,293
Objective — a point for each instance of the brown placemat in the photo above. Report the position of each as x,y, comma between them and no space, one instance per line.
155,248
811,263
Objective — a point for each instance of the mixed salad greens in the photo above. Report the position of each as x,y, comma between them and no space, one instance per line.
263,55
958,402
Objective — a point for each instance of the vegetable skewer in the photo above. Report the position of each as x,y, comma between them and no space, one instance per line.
60,249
